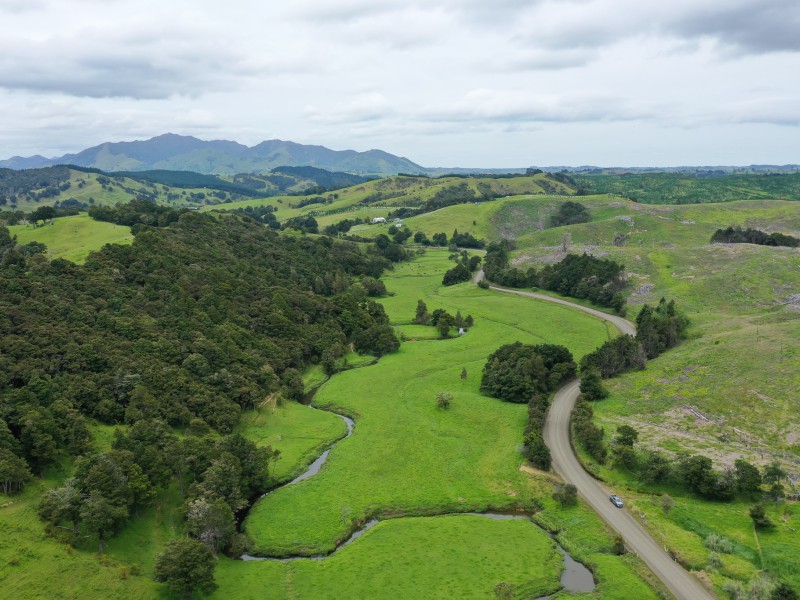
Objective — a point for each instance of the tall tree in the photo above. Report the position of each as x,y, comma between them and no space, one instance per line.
186,565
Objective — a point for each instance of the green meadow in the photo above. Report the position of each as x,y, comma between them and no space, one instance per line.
429,461
73,238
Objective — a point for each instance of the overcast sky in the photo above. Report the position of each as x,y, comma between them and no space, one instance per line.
473,83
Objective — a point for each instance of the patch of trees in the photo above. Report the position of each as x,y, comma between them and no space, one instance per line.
497,269
217,476
449,196
310,200
304,223
24,182
136,212
589,435
389,249
737,235
441,319
570,213
184,179
658,329
263,214
580,276
584,276
327,180
466,240
342,226
375,197
523,373
466,265
516,372
189,325
695,473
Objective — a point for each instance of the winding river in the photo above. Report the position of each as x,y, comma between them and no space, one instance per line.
574,578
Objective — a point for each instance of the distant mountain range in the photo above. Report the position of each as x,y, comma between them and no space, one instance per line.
220,157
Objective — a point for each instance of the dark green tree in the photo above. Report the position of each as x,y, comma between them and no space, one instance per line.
759,516
592,386
566,494
14,472
773,473
211,521
626,436
748,477
422,316
101,517
186,565
62,504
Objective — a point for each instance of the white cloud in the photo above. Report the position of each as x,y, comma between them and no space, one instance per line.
439,83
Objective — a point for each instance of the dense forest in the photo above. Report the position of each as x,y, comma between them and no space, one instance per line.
198,319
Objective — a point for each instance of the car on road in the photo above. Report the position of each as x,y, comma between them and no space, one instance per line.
616,501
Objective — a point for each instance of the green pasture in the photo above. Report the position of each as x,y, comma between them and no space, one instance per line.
73,238
363,201
301,433
430,461
458,556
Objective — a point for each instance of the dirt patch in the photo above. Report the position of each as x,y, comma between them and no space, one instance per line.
628,220
525,468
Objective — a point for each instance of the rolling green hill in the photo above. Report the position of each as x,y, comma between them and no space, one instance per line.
693,187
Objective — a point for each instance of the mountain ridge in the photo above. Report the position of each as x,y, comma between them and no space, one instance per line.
175,152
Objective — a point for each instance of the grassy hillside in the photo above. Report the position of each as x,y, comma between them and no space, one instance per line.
378,198
73,238
727,392
64,186
693,188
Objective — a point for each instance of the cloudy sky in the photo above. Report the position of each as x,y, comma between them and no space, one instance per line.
473,83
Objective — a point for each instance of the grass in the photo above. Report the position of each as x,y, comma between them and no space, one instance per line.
300,433
35,566
738,367
396,192
73,238
431,461
435,557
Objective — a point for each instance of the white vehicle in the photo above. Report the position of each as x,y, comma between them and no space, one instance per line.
616,501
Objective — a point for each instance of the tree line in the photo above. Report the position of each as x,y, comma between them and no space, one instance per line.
523,373
658,329
441,319
737,235
580,276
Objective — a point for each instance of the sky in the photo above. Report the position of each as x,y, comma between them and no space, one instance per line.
469,83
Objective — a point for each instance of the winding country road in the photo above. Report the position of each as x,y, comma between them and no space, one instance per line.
557,437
